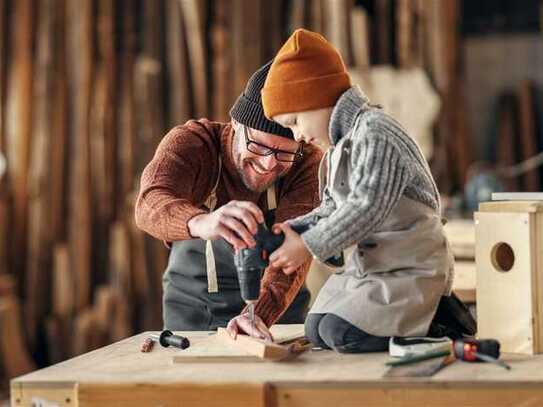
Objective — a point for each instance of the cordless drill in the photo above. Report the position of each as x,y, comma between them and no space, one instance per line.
251,262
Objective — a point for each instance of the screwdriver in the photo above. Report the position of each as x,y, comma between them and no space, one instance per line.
471,350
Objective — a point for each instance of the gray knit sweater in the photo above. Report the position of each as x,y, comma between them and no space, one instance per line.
386,164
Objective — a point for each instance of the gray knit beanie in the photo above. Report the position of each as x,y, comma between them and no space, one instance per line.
248,108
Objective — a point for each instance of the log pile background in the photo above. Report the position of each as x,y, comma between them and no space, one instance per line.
87,90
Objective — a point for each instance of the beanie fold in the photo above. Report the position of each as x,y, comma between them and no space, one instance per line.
308,94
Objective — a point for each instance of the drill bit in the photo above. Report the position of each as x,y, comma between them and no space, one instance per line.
251,308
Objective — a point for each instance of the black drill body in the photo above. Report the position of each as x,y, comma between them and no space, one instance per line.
251,262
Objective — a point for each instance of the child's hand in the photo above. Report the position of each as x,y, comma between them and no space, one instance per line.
292,253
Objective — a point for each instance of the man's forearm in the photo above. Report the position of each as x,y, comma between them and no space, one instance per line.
278,291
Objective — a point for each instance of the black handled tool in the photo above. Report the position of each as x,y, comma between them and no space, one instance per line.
167,338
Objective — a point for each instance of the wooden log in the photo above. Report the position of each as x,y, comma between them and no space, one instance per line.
180,103
404,33
360,38
119,261
87,335
317,19
104,311
298,15
7,285
193,17
271,33
247,58
339,28
63,283
3,74
527,133
59,133
126,121
19,124
222,66
38,272
382,32
13,354
80,76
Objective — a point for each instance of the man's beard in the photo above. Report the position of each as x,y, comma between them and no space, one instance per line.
241,166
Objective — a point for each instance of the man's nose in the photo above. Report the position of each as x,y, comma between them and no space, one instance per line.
268,162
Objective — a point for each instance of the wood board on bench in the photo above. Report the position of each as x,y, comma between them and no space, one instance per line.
220,348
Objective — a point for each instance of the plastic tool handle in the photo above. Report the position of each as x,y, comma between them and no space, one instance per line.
167,338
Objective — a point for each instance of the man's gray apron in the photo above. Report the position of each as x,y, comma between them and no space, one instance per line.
201,288
394,279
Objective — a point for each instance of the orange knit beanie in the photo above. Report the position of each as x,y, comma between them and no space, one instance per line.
308,73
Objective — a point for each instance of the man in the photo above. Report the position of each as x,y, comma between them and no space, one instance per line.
205,190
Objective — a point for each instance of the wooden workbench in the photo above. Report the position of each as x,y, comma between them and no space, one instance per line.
120,375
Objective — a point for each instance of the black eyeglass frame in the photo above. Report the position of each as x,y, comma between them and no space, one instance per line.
295,156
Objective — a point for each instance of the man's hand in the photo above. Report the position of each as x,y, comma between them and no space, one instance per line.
236,222
292,253
242,324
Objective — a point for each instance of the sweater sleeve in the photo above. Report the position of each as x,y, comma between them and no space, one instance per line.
378,179
299,195
174,184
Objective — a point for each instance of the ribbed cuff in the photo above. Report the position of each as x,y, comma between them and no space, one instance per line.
177,223
268,309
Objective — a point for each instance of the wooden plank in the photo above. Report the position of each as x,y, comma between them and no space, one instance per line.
19,123
465,281
3,73
511,206
193,17
360,38
222,349
338,30
180,104
461,236
80,76
59,133
382,394
517,196
8,285
404,31
247,58
382,32
38,273
253,346
169,395
527,133
127,123
63,283
222,67
15,357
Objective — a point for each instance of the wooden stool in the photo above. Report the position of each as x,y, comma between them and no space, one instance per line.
509,259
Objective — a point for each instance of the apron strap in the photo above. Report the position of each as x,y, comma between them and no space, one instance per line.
272,200
211,268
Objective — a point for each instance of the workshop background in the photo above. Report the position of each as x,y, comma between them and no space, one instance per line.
89,87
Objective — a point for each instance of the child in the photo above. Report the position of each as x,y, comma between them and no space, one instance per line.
379,197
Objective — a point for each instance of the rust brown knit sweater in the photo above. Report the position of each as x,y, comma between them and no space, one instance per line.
181,175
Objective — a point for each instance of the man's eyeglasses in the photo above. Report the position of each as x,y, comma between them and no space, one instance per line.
280,155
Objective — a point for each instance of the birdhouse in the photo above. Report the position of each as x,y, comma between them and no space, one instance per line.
509,259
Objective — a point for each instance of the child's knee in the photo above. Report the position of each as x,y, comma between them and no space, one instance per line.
311,328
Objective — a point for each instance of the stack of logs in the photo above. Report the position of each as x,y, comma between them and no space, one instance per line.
87,90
